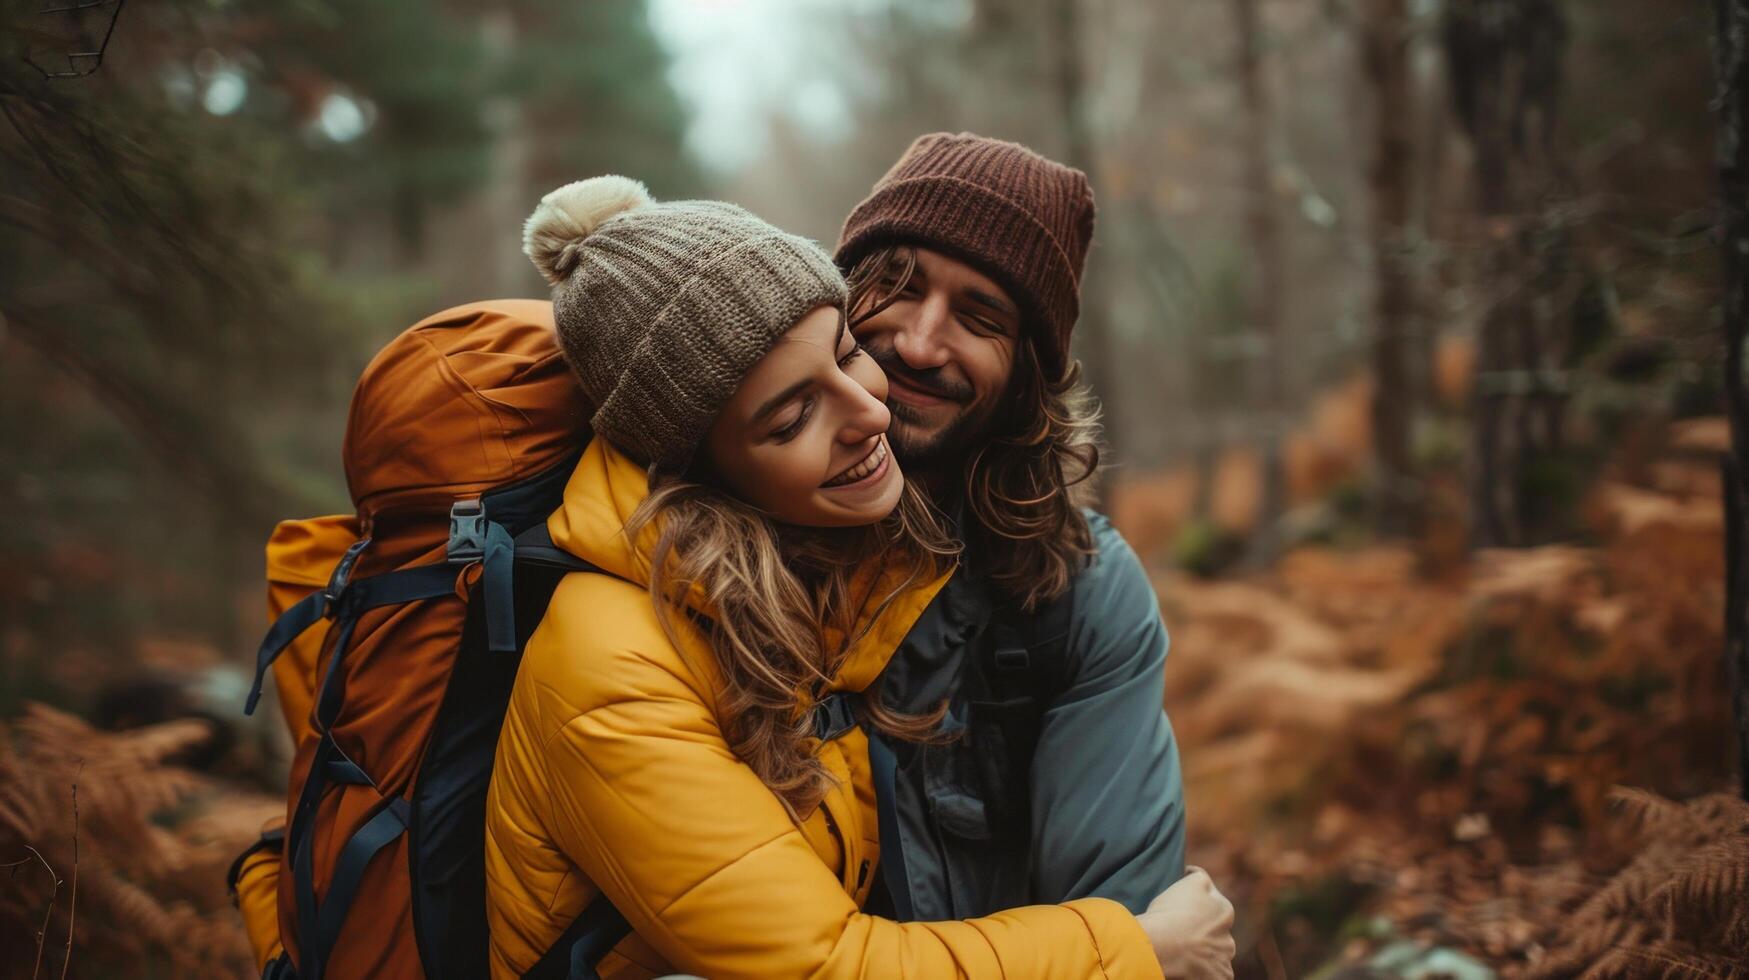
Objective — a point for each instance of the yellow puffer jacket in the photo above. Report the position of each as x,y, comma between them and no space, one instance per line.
613,775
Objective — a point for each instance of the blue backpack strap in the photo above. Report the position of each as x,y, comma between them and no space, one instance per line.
535,546
574,955
319,921
1018,669
474,537
884,767
343,598
302,615
377,833
833,716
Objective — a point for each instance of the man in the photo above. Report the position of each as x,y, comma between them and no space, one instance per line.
965,266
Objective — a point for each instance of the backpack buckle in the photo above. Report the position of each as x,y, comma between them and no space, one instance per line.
336,586
833,716
1012,659
467,532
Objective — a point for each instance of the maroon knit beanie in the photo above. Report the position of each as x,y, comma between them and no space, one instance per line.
1020,218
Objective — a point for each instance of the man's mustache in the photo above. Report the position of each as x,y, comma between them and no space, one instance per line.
931,382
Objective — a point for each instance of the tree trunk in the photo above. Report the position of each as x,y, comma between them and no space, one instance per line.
1096,346
1385,54
1504,59
1732,57
1268,299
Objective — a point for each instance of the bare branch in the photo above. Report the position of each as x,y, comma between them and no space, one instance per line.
73,896
43,933
95,56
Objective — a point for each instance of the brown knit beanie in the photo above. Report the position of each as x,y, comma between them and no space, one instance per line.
662,309
1023,220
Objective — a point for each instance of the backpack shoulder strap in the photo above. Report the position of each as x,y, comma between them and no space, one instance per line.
1025,655
1017,669
535,546
591,936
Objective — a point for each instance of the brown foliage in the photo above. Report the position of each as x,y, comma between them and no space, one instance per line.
1678,910
1331,446
1365,735
153,843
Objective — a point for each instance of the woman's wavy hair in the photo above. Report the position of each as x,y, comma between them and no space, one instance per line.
784,607
1027,479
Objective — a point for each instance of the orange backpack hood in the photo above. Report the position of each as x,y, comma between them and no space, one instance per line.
516,400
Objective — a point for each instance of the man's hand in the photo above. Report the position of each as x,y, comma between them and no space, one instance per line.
1191,927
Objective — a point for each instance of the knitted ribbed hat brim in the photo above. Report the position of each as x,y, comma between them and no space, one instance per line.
662,309
732,311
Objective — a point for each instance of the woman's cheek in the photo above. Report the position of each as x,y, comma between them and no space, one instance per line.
794,467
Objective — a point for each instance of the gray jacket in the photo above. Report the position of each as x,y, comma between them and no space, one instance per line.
1107,795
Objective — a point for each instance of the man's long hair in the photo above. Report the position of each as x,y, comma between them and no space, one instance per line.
1026,479
784,604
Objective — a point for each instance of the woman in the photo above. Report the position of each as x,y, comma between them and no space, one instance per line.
759,551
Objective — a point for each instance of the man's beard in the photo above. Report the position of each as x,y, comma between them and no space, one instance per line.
934,450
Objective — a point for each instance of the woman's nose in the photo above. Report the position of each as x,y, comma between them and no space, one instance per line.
867,415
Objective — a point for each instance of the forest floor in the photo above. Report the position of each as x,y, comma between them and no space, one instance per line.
1403,760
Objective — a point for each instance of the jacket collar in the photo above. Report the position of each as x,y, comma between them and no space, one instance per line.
606,488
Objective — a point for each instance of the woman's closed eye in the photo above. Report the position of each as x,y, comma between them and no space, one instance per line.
789,430
793,428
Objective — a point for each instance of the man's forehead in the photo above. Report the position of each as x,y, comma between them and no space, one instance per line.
948,270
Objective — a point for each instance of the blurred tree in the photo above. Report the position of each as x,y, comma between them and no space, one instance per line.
1385,46
1269,287
157,324
143,262
592,81
899,67
1505,59
571,91
1095,345
417,77
505,99
201,243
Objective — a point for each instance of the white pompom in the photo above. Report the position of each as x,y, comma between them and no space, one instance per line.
572,213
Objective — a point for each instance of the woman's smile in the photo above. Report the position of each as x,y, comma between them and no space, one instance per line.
868,470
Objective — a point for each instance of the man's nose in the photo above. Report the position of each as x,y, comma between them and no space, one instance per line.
921,341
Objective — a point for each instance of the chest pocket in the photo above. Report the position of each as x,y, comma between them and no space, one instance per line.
956,793
977,868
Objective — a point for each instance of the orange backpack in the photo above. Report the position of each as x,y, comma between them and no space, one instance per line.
462,434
